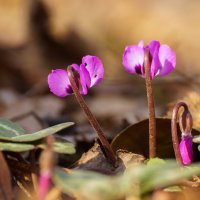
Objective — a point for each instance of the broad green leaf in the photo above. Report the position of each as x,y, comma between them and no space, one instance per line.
87,185
10,129
61,146
157,176
37,135
137,180
15,147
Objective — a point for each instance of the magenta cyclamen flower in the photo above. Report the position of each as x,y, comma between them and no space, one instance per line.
90,73
163,59
44,184
185,148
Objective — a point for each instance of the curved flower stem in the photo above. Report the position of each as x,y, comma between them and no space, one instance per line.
183,125
151,107
94,123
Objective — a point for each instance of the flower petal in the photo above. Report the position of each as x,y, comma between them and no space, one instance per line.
153,46
186,150
133,59
44,184
95,69
167,59
76,67
84,79
141,44
155,64
59,83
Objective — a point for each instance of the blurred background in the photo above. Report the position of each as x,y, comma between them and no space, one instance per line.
37,36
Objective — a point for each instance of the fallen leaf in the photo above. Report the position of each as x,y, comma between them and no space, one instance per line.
95,160
135,138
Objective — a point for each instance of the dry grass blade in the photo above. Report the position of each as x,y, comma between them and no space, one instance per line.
53,194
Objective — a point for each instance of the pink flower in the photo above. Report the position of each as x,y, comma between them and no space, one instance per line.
44,184
185,148
163,59
90,73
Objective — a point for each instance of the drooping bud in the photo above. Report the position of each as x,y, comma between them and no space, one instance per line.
183,150
186,150
185,146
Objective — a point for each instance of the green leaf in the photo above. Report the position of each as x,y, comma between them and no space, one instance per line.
156,176
87,185
137,180
155,161
37,135
61,146
10,129
173,189
15,147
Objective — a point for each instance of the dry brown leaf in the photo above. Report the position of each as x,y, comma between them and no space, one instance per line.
95,160
135,138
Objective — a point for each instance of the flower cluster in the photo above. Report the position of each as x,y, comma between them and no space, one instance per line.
163,59
90,72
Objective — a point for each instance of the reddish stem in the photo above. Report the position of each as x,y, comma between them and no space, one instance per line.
151,107
93,121
185,127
